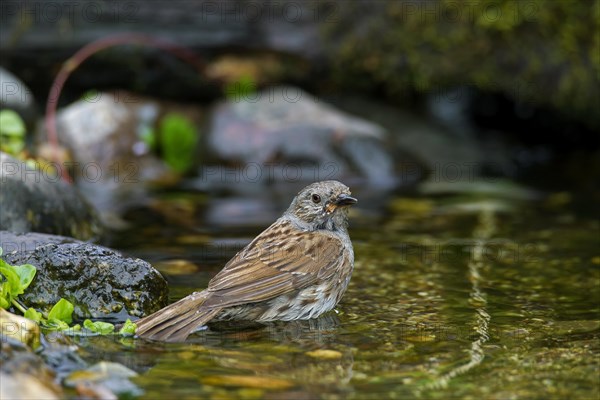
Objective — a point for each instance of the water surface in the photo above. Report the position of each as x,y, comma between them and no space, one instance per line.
451,298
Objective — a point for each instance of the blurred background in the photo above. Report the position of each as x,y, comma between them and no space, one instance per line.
509,86
186,127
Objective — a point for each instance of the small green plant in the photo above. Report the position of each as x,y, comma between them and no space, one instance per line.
15,279
178,140
103,328
12,132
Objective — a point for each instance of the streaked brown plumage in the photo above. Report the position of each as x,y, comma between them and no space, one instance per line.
298,268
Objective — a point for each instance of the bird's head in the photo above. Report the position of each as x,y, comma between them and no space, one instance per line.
323,205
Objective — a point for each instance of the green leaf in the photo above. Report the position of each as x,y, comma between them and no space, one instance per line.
15,279
128,328
13,287
33,315
12,145
74,330
26,272
103,328
11,124
12,132
62,311
4,303
178,140
5,291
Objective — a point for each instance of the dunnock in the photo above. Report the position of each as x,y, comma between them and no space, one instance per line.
298,268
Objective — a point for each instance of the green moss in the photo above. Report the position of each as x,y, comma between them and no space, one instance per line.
545,52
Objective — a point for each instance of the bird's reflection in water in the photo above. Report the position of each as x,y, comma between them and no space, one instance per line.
313,331
304,351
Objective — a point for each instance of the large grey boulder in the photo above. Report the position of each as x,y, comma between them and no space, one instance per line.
285,134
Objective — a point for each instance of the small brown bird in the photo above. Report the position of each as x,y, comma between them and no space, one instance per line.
298,268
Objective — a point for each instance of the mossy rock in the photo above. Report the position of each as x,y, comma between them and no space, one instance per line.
542,53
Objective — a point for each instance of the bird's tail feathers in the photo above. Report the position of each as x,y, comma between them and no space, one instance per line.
177,321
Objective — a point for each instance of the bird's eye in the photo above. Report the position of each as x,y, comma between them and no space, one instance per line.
316,198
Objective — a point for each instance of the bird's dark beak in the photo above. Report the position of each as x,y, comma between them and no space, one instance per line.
345,200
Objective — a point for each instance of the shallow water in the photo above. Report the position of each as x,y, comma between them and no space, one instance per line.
451,297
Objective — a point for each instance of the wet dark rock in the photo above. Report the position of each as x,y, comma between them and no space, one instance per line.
285,134
37,200
22,243
100,282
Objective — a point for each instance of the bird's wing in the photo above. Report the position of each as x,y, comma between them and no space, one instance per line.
281,259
